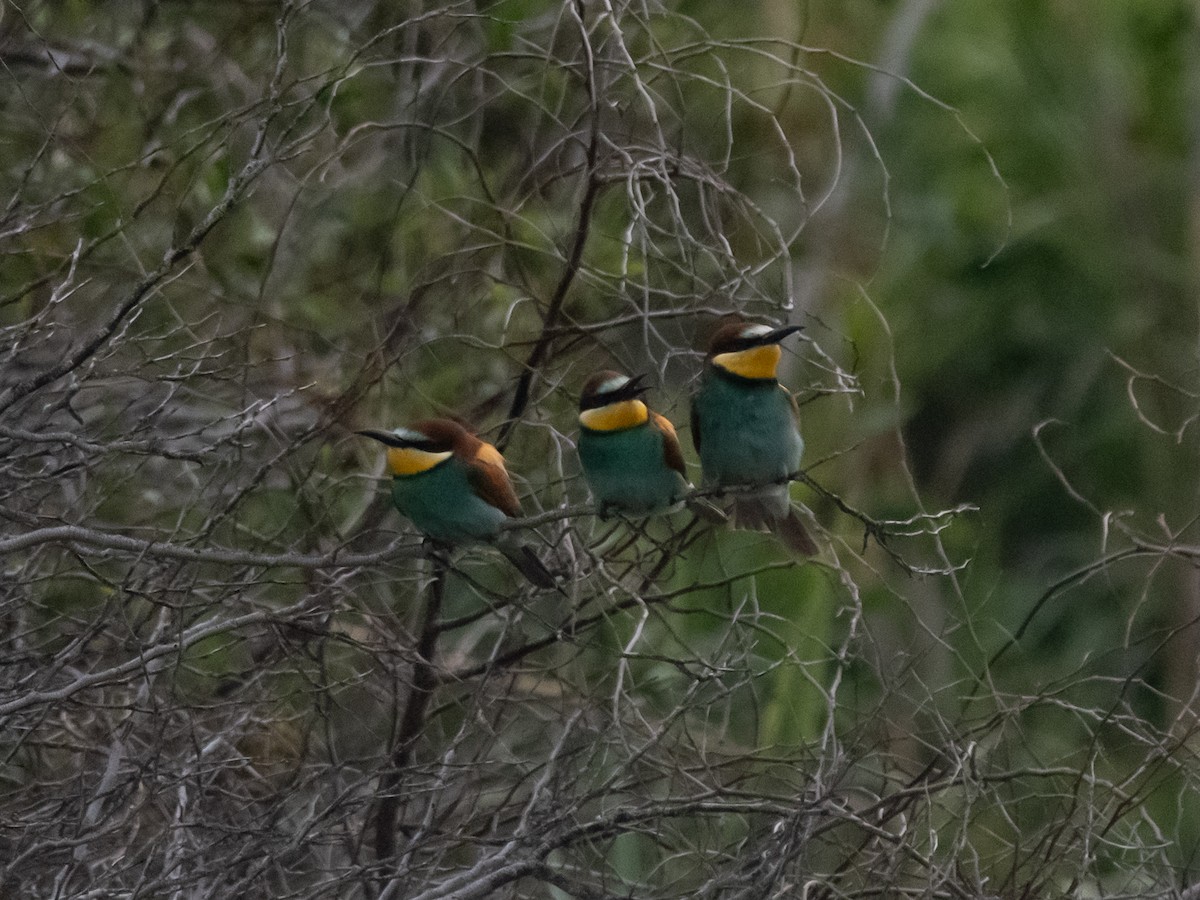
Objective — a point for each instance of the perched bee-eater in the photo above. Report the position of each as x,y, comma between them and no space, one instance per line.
631,457
745,426
455,489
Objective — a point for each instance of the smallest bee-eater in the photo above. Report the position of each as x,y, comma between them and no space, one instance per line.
455,489
631,456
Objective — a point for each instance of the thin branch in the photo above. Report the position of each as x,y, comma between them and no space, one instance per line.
412,722
593,183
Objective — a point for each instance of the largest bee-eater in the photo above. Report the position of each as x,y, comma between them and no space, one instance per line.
455,488
745,426
631,457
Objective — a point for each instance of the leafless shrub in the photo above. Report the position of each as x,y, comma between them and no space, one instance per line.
235,232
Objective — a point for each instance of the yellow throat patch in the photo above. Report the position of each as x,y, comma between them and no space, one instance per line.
411,461
757,362
615,417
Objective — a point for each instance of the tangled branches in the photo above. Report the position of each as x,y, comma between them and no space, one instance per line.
234,235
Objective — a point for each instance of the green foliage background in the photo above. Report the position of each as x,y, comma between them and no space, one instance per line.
987,215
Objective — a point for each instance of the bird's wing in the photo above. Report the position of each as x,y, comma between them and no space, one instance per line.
695,426
672,452
489,478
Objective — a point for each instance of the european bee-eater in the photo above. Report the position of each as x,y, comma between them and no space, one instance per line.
631,457
745,426
455,488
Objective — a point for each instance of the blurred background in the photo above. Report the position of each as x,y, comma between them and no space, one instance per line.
233,233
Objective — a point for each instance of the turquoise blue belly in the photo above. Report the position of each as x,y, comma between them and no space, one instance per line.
626,470
748,431
442,505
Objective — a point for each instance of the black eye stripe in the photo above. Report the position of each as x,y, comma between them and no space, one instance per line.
426,445
395,441
629,391
593,402
737,345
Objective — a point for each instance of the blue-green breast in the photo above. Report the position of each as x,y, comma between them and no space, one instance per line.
627,469
747,428
442,504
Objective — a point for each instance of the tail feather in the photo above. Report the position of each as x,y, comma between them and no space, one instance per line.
774,513
704,510
750,513
528,564
794,535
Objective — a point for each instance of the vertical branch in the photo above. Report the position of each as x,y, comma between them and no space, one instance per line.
412,722
541,348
